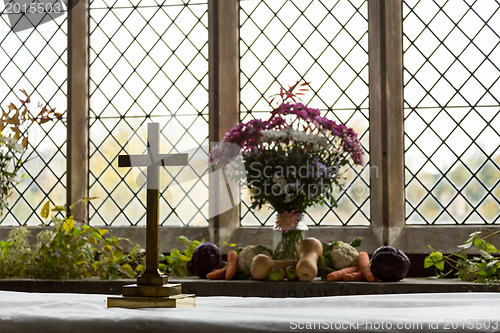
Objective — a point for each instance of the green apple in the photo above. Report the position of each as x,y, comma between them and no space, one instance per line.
276,274
291,274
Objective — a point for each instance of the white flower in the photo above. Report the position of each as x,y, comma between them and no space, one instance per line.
11,143
319,142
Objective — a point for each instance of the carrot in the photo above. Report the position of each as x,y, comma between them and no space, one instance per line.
339,275
217,274
232,264
354,276
364,266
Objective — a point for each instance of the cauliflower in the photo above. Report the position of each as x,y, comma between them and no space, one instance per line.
246,255
343,255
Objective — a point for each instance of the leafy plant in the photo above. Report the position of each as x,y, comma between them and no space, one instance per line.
484,268
73,250
15,122
177,262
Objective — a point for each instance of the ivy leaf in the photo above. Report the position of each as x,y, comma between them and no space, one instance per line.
435,259
465,246
184,258
140,269
184,239
107,248
92,240
464,262
486,255
76,232
490,247
69,224
127,270
481,273
59,209
474,234
45,210
479,243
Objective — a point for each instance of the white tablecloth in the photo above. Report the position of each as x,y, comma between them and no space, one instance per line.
466,312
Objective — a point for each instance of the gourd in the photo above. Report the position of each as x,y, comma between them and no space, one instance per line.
262,264
309,251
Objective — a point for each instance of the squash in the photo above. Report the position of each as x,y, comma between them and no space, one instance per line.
309,251
262,264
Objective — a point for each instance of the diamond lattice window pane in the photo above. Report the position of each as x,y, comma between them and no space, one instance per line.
34,59
322,42
148,62
452,111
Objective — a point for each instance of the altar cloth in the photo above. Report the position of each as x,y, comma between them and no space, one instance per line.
453,312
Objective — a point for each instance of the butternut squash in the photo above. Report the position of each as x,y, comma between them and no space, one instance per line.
309,251
262,264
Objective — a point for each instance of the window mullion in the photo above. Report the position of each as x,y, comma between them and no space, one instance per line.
224,105
77,113
386,119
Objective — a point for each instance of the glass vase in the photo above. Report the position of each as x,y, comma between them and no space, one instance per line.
288,242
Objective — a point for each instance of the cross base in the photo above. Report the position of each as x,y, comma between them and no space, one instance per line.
152,279
177,301
152,291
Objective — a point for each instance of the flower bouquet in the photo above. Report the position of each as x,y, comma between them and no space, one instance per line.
292,161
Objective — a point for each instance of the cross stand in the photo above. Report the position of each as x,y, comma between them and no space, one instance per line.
152,289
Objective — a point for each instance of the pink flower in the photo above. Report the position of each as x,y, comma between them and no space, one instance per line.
287,221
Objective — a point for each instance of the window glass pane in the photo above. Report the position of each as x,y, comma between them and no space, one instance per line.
452,118
34,59
322,42
148,62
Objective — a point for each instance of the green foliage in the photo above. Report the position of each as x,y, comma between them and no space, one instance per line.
177,262
483,268
73,250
